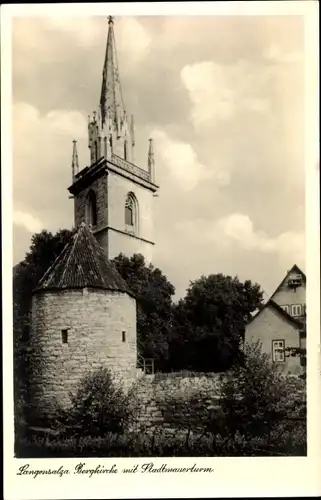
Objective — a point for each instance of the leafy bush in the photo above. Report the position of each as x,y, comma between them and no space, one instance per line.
263,406
99,406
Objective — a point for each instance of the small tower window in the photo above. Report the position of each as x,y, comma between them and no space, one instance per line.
125,150
123,336
131,213
91,209
64,336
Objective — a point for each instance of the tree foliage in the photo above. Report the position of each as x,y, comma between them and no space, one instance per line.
264,407
154,294
44,249
209,323
252,393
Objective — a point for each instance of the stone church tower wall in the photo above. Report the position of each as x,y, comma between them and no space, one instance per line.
99,187
140,239
112,173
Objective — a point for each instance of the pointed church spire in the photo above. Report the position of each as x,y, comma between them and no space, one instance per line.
111,99
151,161
74,162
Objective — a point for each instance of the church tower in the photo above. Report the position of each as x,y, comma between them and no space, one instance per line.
113,194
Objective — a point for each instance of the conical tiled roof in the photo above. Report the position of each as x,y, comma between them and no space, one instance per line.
82,264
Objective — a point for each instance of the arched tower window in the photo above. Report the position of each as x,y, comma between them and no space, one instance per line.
131,213
125,150
91,208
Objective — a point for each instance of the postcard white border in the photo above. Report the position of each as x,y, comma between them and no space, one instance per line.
248,477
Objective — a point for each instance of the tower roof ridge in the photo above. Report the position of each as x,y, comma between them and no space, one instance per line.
111,97
83,264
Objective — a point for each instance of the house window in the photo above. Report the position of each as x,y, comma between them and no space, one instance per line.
296,310
278,351
131,213
123,335
64,336
91,209
286,309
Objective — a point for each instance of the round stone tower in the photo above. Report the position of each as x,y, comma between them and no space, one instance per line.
83,317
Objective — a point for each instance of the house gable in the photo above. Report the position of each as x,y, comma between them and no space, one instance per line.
291,293
286,282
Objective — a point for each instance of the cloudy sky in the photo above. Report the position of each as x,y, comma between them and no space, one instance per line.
222,96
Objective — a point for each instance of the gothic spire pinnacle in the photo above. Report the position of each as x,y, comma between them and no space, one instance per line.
111,99
151,160
74,162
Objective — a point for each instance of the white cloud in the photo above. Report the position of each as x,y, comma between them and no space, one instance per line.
235,234
256,105
181,160
276,55
42,163
217,92
132,39
83,30
70,123
239,228
27,221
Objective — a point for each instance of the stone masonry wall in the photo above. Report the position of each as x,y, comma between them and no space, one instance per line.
118,189
95,321
164,401
128,245
170,404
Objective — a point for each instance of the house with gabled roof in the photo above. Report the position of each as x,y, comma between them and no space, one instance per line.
280,325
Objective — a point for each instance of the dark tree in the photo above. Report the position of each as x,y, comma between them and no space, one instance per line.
209,323
154,295
45,248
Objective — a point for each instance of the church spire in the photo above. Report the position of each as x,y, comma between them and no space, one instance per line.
74,162
111,99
